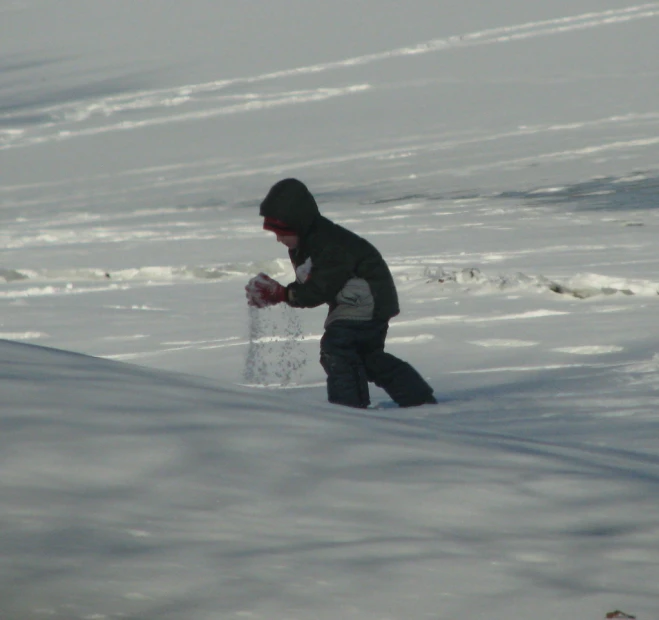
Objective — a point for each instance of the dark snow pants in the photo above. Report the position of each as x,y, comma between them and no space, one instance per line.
352,354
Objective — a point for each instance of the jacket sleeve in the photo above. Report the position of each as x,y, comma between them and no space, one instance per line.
331,268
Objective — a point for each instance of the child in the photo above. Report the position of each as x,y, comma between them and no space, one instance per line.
337,267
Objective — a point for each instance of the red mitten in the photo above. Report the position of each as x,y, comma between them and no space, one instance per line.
263,291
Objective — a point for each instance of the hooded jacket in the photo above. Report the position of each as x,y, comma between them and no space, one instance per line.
332,264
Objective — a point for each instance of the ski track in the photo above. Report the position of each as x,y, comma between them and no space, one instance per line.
531,368
444,143
64,118
293,97
648,122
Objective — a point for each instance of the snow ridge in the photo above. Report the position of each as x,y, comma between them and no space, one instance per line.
146,273
581,286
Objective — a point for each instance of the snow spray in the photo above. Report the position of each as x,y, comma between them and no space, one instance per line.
275,355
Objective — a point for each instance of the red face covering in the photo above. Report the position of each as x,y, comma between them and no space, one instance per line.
278,227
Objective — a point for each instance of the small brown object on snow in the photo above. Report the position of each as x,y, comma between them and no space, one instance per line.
619,614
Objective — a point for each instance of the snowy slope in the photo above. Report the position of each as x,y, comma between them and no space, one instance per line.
168,454
129,492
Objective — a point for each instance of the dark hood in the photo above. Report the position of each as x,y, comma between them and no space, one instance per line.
291,202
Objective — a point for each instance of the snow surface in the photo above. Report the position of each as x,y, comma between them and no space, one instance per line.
169,454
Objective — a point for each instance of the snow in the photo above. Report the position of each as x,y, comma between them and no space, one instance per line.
169,453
